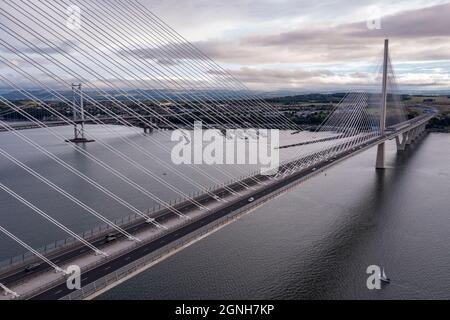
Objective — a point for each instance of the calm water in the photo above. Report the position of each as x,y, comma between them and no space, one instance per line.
314,242
317,241
37,232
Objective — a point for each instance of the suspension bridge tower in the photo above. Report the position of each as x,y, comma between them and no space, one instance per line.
78,115
383,106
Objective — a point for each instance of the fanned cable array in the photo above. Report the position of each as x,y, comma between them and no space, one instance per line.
126,67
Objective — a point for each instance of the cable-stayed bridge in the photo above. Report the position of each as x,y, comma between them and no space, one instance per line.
43,50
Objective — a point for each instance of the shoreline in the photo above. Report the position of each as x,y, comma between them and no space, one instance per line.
439,130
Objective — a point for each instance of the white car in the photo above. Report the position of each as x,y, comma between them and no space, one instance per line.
251,199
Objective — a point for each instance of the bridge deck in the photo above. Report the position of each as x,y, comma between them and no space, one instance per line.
45,284
120,252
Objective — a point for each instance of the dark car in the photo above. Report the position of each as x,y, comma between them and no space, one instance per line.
32,267
110,238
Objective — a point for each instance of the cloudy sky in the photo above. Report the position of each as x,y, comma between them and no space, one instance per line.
269,45
318,45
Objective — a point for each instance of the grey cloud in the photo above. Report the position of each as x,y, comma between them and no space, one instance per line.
426,22
173,54
355,40
250,75
413,33
66,46
272,79
420,34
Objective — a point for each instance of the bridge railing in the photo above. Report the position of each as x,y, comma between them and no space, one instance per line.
128,270
138,265
65,244
155,256
58,246
124,222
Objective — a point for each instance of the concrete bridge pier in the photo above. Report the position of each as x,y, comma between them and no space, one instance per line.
380,156
413,134
148,129
410,137
401,143
420,132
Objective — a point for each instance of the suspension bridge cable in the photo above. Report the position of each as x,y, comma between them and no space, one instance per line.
30,249
71,169
149,16
34,48
50,219
64,193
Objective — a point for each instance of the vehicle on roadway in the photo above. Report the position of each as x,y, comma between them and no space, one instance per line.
32,267
251,199
110,238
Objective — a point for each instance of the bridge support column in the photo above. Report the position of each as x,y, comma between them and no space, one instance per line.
417,134
380,156
401,144
148,129
414,134
422,129
409,140
381,146
78,116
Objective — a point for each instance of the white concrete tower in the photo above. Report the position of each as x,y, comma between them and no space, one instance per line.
381,146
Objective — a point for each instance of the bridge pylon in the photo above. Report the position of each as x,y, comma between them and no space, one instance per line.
78,116
381,146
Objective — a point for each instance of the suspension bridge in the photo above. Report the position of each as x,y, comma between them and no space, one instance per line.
161,60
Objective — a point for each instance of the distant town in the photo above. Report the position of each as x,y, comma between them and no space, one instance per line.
308,110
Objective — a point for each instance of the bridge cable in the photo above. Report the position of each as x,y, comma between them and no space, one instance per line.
50,219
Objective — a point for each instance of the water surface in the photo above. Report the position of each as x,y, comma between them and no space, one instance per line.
317,241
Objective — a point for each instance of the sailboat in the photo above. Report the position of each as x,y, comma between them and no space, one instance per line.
384,278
